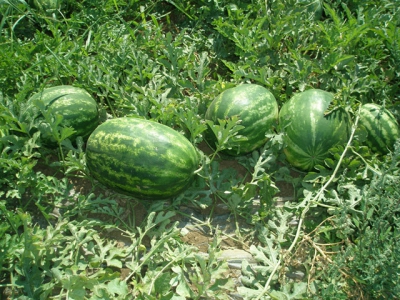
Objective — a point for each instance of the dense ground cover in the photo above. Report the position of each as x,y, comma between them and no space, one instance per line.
65,236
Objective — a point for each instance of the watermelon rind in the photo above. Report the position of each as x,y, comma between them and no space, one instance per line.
257,110
76,106
309,133
381,127
141,158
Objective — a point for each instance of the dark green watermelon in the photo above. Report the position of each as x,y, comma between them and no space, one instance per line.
142,158
381,126
77,108
257,110
307,132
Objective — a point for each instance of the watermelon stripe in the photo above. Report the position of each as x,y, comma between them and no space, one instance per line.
76,106
381,126
308,134
140,157
137,179
257,109
304,158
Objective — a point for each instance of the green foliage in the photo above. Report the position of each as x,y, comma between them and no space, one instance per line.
374,257
226,133
60,232
280,47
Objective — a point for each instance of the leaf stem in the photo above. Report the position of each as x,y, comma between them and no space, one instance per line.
307,207
165,267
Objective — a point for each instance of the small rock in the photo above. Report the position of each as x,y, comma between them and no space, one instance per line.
280,201
297,275
294,222
235,296
184,231
235,257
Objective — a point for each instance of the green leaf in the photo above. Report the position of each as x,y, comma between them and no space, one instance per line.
296,290
226,131
179,281
162,284
117,287
65,133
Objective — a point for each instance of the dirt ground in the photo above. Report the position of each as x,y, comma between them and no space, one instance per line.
194,236
234,248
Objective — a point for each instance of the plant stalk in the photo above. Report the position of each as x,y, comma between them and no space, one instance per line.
313,200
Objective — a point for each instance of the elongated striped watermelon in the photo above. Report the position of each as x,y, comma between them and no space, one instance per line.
257,109
308,133
381,126
142,158
77,108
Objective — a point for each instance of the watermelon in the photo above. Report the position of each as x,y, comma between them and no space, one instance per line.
141,158
77,108
381,126
257,109
308,133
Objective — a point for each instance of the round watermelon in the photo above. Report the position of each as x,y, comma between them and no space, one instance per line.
308,133
257,109
75,105
142,158
381,126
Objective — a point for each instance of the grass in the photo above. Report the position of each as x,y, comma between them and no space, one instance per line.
64,236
